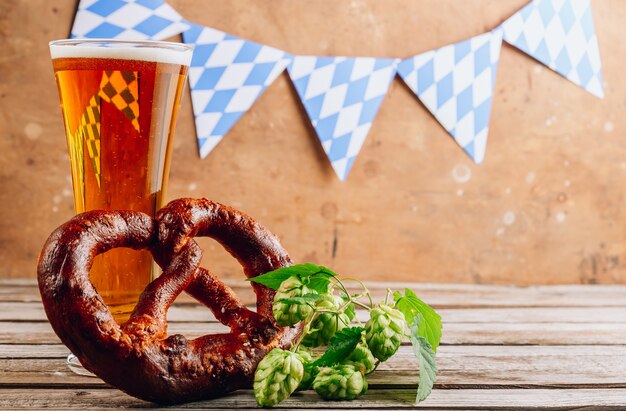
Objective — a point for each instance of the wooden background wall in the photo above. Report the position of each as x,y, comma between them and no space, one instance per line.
547,205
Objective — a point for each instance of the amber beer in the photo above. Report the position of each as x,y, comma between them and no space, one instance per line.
119,103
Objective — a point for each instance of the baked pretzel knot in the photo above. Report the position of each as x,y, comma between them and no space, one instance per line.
138,357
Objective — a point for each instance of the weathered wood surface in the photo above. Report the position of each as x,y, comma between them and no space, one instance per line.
191,312
492,333
460,367
544,207
463,399
438,295
520,350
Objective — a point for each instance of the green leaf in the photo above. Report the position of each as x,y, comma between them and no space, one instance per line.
274,279
320,281
411,306
340,346
303,299
350,311
426,357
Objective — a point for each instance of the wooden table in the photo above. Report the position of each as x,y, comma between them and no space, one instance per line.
556,347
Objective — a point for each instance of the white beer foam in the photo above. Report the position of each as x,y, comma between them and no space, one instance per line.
180,55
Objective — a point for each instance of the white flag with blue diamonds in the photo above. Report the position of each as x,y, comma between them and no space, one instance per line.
561,35
455,83
127,19
227,74
341,96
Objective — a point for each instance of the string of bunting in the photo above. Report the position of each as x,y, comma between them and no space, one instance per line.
342,95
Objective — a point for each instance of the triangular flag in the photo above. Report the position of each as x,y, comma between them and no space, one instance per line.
455,83
561,35
127,19
341,96
227,75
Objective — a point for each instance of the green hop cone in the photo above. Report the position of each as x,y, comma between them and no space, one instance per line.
325,325
384,331
277,376
306,356
290,314
340,382
362,356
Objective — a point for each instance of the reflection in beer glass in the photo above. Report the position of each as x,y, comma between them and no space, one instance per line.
119,101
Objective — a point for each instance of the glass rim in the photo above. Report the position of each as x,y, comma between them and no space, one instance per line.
102,42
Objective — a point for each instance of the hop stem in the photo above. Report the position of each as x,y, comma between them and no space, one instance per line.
306,329
389,292
368,308
366,292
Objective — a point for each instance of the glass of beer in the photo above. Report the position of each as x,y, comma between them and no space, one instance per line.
119,101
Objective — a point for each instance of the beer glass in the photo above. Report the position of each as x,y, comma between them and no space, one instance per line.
119,101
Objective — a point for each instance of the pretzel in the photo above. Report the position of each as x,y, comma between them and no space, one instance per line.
138,357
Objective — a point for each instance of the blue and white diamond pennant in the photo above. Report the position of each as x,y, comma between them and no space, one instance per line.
341,96
227,75
127,19
561,35
455,83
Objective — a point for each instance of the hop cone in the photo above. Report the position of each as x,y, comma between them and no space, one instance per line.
362,356
340,382
277,376
384,331
326,324
306,356
290,314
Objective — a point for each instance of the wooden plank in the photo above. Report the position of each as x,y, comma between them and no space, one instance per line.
526,351
33,351
42,333
455,333
538,333
534,315
460,367
519,366
17,282
509,399
439,295
33,311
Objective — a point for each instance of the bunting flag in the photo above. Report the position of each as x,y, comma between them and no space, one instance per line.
341,96
561,35
455,83
227,75
127,19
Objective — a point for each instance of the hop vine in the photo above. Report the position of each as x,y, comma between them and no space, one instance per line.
346,348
